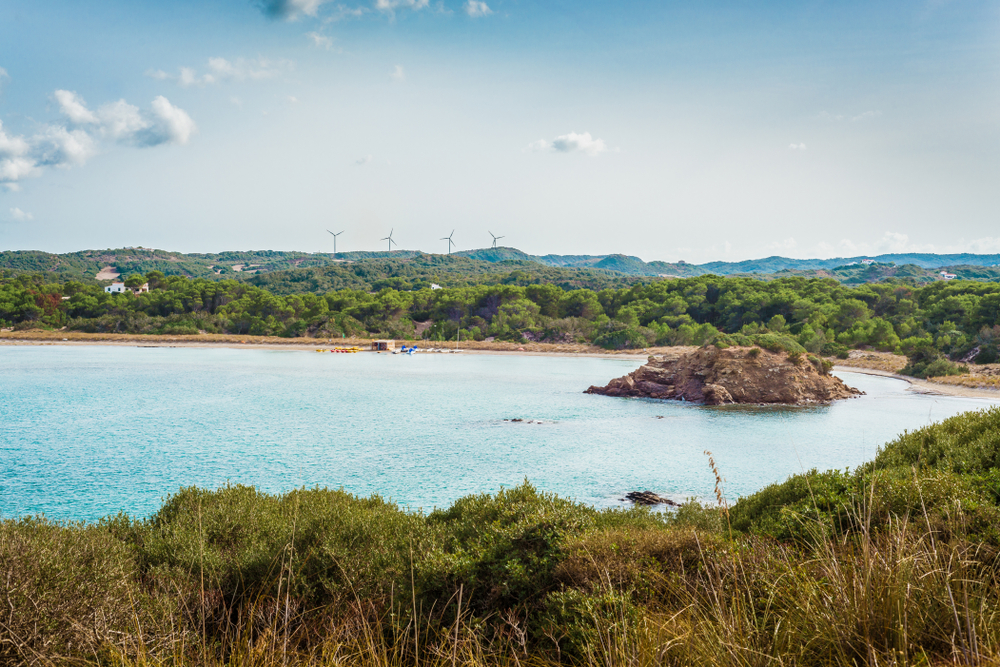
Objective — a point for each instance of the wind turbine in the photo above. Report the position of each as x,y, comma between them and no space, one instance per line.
495,238
389,239
335,242
448,239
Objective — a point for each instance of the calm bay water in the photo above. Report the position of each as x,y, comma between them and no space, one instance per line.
88,431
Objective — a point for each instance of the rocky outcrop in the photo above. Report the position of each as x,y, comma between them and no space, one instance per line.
716,376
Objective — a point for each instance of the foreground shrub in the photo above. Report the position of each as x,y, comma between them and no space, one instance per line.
75,589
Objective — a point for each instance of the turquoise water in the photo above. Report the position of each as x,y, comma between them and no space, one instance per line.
88,431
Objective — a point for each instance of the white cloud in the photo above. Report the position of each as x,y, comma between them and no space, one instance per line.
363,161
221,69
797,147
292,99
170,124
79,138
320,40
73,107
571,143
120,121
57,146
3,75
477,8
18,215
290,10
397,74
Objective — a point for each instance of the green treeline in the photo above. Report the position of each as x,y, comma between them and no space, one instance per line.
895,563
821,315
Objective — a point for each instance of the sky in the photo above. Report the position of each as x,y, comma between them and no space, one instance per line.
666,130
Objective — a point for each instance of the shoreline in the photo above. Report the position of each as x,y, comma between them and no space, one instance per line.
924,386
229,341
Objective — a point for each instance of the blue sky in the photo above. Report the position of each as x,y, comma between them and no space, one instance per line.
696,131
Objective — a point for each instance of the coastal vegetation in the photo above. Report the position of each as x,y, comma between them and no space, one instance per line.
893,563
935,325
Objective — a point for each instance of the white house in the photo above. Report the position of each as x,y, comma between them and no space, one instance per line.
948,276
119,288
867,262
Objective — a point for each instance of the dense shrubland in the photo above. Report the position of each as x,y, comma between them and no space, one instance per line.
895,563
957,319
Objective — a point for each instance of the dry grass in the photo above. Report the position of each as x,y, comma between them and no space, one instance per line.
985,376
871,359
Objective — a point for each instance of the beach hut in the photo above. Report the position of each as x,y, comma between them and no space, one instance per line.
383,345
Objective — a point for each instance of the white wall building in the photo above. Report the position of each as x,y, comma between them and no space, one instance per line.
119,288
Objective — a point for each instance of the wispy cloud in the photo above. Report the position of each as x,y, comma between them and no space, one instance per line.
363,161
797,147
477,8
397,74
17,215
571,143
320,40
218,70
866,115
390,6
3,76
82,131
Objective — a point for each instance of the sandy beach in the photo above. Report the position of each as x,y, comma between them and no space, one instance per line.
36,337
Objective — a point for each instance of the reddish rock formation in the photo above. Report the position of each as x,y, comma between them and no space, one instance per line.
734,375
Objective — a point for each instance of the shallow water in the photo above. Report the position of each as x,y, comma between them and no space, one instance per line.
88,431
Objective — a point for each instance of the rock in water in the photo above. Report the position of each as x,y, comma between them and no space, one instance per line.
649,498
716,376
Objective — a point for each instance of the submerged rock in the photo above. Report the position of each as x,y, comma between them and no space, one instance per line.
716,376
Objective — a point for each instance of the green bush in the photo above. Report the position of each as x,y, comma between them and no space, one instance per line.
926,361
949,465
330,545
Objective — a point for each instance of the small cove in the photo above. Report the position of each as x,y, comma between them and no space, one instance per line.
88,431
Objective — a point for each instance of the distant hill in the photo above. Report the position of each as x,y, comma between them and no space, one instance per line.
598,269
768,265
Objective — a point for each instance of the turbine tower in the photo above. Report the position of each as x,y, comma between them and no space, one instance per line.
448,239
335,242
495,238
389,239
